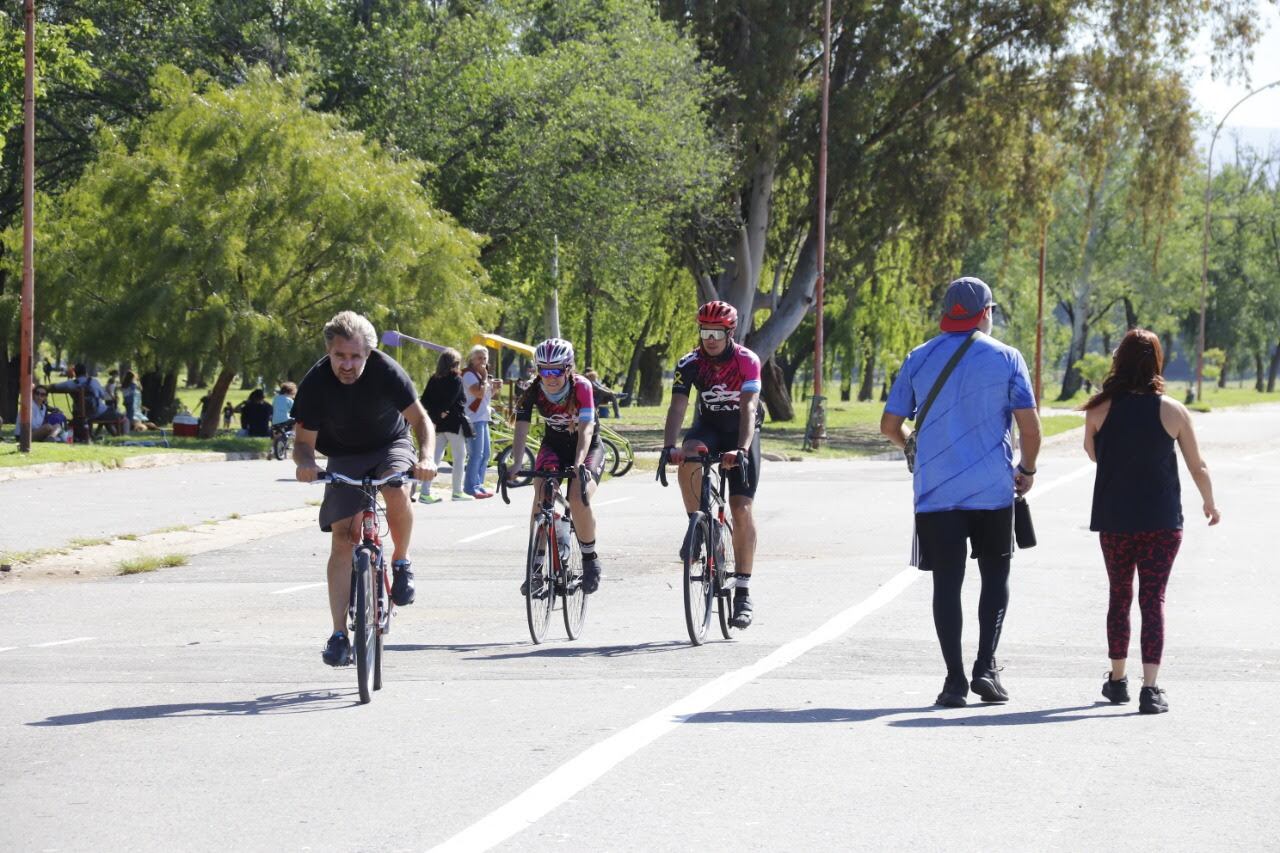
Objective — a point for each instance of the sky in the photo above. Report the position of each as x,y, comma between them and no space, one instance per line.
1257,120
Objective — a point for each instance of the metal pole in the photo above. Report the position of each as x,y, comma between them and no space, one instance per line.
1204,244
27,346
817,416
1044,229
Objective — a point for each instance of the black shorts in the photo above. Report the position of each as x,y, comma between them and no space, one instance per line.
553,455
342,501
944,535
719,441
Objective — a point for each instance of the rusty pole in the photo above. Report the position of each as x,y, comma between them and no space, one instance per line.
817,417
27,345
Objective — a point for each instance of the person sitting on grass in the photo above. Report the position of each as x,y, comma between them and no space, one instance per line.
255,416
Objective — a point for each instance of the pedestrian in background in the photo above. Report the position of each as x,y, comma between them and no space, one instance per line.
444,400
965,479
479,388
1130,430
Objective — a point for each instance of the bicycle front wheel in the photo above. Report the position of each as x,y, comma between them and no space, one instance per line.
539,594
573,599
279,444
723,572
699,589
366,623
626,457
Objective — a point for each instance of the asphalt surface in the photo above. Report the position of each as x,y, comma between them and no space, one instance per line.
188,708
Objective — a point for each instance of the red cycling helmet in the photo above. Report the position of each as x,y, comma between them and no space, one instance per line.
718,314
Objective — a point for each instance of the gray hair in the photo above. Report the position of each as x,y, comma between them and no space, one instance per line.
476,350
353,327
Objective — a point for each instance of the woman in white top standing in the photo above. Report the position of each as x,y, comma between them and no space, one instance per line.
478,387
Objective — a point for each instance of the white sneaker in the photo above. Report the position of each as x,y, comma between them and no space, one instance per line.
461,496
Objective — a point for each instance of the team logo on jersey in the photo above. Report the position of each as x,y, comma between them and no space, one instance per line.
716,397
561,421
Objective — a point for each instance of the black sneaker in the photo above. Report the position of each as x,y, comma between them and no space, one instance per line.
1151,701
337,652
741,610
590,574
1116,692
402,583
953,692
986,683
539,590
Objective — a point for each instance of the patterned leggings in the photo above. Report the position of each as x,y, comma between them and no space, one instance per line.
1152,554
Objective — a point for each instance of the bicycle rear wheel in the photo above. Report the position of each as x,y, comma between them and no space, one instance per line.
724,571
611,457
366,624
699,588
539,594
504,458
573,599
279,444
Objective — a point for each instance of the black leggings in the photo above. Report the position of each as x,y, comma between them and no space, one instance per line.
948,616
944,541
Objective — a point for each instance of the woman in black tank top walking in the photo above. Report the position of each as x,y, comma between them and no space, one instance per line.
1130,431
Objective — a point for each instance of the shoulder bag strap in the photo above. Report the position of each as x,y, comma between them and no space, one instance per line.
942,379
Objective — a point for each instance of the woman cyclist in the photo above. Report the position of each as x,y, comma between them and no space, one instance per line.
565,401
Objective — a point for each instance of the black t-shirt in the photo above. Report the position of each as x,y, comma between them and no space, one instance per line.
356,418
255,418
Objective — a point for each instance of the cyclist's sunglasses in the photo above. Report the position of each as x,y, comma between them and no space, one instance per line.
713,334
553,371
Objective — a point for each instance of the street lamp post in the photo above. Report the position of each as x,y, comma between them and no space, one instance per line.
1204,244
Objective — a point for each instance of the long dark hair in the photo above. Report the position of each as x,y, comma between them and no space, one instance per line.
1135,368
449,361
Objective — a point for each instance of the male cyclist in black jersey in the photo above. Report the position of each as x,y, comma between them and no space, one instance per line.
726,376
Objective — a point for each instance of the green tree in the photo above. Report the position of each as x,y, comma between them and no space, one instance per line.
236,224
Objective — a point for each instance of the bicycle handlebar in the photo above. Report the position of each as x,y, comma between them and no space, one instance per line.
342,479
708,459
580,472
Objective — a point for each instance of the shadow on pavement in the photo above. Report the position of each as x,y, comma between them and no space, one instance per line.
588,651
802,715
276,703
443,647
1016,718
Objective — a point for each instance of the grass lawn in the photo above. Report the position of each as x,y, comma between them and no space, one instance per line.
1235,394
111,451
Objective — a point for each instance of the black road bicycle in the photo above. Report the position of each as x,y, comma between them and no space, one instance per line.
708,549
369,614
553,565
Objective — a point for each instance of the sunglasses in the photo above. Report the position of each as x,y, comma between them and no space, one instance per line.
39,394
713,334
553,371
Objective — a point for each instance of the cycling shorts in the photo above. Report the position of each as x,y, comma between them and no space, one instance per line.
553,455
719,441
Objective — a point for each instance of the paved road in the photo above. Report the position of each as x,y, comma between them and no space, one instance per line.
188,709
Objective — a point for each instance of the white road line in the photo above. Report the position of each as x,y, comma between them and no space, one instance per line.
7,648
606,503
1061,481
493,532
298,588
62,642
576,774
1253,456
579,772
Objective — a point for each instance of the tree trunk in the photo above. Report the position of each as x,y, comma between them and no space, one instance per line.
633,367
1082,294
1072,380
865,390
195,374
1130,316
1275,368
1222,374
1258,382
159,395
651,364
589,349
213,409
775,392
846,376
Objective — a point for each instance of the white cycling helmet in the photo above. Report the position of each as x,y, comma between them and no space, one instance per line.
554,352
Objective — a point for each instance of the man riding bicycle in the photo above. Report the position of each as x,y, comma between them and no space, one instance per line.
356,406
564,399
726,420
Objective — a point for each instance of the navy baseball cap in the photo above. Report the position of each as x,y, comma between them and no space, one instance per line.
967,298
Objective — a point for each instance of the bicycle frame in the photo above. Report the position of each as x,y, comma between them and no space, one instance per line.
711,501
